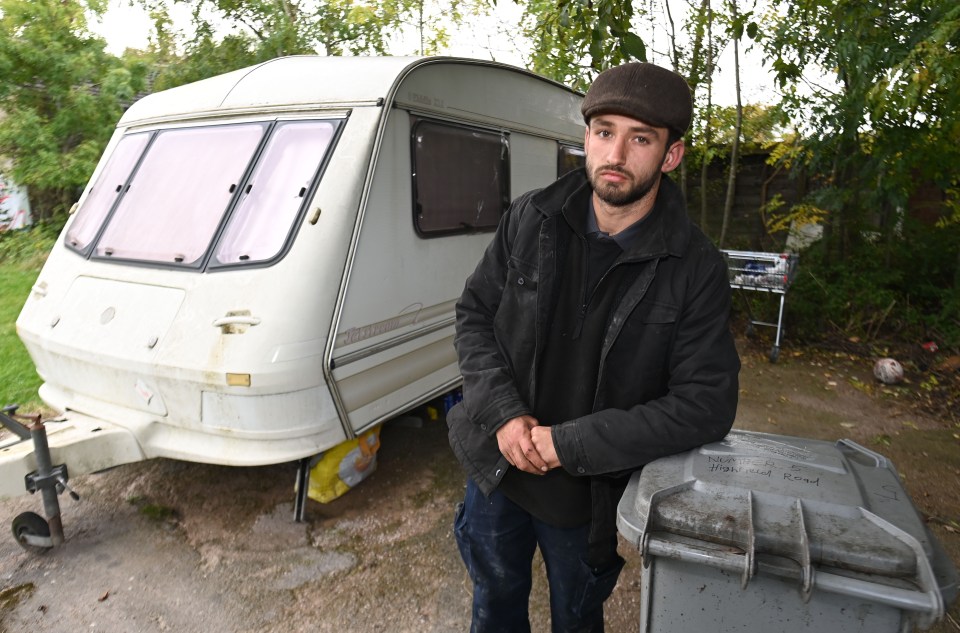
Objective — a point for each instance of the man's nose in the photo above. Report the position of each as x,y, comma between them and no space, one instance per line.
617,152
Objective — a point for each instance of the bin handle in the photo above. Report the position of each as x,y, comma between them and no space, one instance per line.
927,604
806,571
749,557
879,460
643,543
925,574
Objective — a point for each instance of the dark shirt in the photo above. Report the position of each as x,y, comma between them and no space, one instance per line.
570,362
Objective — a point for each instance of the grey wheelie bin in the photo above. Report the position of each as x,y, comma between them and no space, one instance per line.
770,533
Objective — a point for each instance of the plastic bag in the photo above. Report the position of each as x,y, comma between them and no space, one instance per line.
344,466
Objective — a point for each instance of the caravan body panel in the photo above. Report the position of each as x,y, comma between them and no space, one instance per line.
245,343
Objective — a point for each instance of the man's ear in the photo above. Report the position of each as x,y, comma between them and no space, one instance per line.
671,160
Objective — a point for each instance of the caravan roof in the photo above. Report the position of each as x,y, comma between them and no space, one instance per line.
306,81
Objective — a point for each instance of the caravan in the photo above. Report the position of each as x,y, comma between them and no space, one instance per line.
265,263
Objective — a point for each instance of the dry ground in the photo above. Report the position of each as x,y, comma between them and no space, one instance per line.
172,546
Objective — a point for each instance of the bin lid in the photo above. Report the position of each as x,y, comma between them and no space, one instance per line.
819,503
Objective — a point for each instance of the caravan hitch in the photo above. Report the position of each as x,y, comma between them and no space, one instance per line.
32,531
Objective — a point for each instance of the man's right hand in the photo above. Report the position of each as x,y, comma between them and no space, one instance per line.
516,444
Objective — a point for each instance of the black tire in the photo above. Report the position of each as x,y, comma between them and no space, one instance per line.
774,354
31,524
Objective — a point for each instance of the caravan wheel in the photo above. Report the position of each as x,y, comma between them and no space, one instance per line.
31,530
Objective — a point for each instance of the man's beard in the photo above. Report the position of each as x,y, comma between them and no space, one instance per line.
625,194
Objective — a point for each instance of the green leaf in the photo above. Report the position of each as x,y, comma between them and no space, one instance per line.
633,46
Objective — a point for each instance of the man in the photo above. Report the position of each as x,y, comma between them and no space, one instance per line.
592,339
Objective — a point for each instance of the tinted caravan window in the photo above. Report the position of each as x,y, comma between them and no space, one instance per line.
106,190
275,193
178,196
170,196
569,157
460,178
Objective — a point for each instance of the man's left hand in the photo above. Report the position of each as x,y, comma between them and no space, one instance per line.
543,441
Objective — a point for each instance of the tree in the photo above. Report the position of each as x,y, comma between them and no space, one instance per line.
875,88
61,95
574,40
871,124
232,34
737,128
706,18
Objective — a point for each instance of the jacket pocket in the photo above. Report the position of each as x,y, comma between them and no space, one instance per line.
652,325
516,316
521,275
660,314
641,352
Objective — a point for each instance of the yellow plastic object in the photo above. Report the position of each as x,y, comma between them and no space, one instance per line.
344,466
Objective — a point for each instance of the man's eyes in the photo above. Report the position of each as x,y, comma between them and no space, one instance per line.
641,140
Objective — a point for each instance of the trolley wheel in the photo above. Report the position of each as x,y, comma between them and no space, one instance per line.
30,524
774,354
750,331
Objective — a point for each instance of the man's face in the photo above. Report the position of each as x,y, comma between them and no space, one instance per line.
625,157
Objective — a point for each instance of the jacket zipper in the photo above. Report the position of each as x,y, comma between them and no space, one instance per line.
584,299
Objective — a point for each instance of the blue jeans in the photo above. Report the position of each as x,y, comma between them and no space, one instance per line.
497,539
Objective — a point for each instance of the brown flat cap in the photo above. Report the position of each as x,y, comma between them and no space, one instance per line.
641,91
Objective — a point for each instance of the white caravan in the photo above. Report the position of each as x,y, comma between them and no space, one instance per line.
265,263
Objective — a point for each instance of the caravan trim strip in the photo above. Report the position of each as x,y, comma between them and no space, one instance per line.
346,359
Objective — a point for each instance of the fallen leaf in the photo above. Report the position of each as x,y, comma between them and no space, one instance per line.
103,597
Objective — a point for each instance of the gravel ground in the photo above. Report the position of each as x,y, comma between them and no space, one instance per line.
172,546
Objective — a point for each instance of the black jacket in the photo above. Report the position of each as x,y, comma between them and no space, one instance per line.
668,370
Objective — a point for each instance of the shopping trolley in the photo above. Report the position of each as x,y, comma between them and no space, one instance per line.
762,272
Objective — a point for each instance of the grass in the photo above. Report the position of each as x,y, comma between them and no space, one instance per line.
18,377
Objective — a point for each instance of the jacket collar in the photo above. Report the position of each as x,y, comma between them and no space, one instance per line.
666,232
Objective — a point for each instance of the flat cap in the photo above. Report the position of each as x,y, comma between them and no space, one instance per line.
642,91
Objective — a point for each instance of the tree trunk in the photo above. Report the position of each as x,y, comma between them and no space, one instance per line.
675,61
735,150
707,126
697,63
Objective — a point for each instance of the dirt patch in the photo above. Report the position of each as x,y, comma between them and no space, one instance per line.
173,546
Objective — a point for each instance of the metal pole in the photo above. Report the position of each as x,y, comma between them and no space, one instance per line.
51,504
783,298
303,483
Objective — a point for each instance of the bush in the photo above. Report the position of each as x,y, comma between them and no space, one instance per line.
903,290
28,247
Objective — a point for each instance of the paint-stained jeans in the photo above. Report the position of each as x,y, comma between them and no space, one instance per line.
497,540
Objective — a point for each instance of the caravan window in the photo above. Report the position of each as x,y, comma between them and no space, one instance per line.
275,192
460,178
105,191
164,197
569,157
178,196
